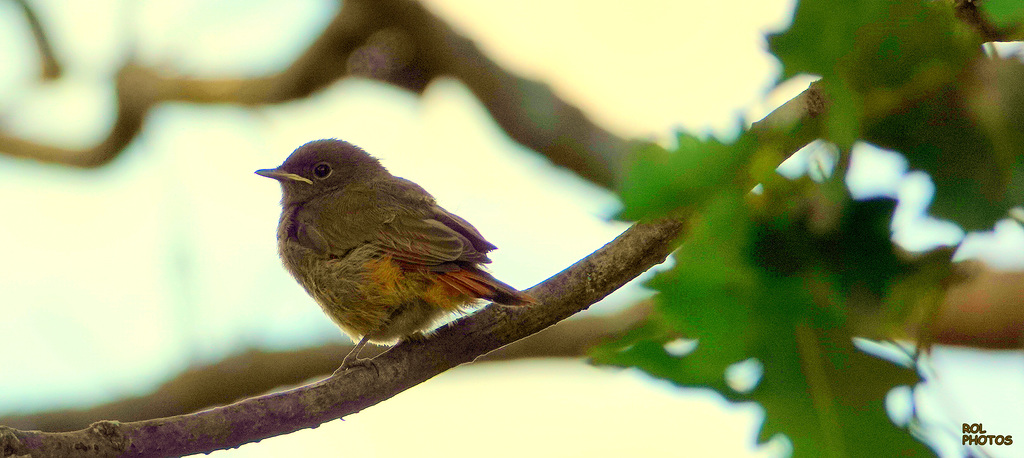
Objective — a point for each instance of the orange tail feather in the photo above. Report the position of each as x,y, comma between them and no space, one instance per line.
483,285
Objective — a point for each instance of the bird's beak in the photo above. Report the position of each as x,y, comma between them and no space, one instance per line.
279,175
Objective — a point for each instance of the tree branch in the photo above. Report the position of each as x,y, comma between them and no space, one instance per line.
527,110
255,372
48,61
967,11
985,310
786,119
406,365
395,41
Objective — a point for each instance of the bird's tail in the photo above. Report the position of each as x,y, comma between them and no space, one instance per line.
480,284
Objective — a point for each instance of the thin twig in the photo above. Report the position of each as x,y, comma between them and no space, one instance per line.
51,68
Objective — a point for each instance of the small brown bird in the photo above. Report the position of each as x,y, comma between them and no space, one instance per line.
378,254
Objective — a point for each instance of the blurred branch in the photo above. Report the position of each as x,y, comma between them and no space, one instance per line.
797,122
395,41
50,67
407,364
967,11
255,372
527,110
986,310
134,99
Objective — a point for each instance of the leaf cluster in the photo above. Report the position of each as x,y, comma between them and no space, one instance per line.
784,277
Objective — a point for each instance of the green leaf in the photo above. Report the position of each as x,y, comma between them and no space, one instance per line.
709,292
897,74
707,295
996,104
860,250
915,298
973,167
644,347
647,188
822,34
872,43
846,243
913,46
659,181
1004,13
843,119
770,290
824,394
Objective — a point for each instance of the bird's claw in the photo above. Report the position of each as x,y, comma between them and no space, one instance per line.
357,362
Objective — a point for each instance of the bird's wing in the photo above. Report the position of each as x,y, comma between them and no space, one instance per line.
411,229
419,232
449,246
397,217
463,227
420,239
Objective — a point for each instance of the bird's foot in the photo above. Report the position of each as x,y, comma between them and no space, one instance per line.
352,359
357,362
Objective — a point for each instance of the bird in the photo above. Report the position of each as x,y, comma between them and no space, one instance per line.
383,260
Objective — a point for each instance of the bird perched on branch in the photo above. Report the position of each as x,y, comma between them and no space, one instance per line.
378,254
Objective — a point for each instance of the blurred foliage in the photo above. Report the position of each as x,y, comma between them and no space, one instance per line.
1004,13
789,274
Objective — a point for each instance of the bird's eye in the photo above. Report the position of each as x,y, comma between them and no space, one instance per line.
322,170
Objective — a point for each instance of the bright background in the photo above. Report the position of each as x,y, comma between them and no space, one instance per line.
114,280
